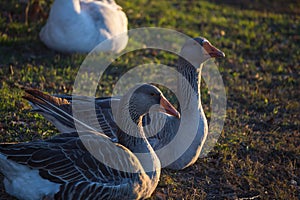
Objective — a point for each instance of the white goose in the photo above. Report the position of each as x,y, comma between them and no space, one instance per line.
63,168
197,51
80,25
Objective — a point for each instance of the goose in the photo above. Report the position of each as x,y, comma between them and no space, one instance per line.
89,166
196,50
80,25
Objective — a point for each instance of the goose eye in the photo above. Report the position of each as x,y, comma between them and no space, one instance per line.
196,44
152,94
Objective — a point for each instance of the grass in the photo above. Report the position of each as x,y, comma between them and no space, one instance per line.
258,152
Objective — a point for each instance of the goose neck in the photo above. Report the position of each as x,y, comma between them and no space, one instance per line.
128,122
132,136
189,82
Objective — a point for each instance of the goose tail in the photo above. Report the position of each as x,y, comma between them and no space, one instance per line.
56,110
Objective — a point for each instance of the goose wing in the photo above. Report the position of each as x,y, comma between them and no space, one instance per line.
107,16
93,190
58,110
67,161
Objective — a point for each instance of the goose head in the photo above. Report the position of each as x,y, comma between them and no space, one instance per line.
137,102
198,50
145,97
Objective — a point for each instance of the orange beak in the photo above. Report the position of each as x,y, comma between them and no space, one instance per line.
167,107
213,51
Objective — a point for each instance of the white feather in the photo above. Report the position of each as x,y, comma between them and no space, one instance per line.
80,25
23,182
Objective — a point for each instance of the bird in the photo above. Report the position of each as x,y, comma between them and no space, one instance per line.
88,165
80,25
190,63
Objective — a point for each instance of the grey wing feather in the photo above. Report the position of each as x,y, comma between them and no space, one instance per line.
63,160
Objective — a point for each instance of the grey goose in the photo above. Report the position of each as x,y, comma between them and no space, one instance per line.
63,167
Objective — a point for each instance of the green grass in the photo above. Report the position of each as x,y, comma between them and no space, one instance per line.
258,152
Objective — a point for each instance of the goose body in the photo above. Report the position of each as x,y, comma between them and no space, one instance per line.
197,51
80,25
72,166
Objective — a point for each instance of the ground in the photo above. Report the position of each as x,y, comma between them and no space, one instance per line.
258,153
